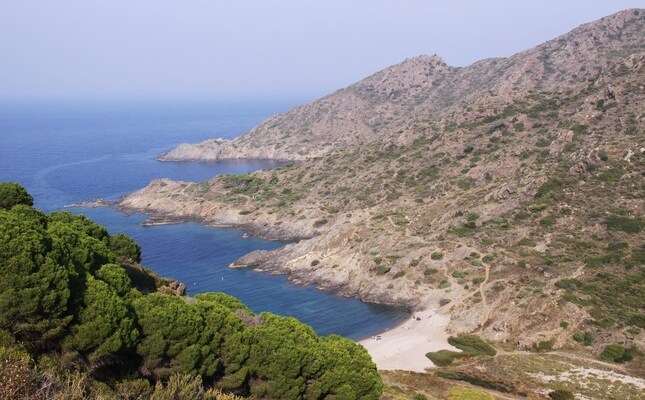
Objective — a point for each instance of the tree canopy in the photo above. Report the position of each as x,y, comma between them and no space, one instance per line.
65,292
12,194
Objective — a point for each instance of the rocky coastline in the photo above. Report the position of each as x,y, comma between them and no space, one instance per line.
166,201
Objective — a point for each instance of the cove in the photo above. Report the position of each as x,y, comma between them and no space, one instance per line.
66,153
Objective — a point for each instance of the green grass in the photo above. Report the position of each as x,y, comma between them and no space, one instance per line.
462,393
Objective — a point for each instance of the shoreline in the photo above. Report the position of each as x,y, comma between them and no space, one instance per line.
404,347
258,230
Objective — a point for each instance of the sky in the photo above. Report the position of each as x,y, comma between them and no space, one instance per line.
241,49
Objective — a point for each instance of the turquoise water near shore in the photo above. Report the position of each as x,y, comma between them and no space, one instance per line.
66,153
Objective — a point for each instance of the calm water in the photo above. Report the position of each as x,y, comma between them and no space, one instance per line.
66,153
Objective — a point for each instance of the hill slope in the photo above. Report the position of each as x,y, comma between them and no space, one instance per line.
514,205
425,86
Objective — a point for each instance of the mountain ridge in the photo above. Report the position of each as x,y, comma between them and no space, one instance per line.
422,85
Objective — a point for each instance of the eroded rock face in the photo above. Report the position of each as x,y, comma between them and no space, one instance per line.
174,288
209,150
563,138
220,149
585,165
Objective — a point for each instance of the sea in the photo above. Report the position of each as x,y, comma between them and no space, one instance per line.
68,152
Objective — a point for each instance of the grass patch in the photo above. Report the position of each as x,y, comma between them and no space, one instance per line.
624,224
462,393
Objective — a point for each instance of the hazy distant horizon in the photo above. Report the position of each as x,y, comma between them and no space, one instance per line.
285,49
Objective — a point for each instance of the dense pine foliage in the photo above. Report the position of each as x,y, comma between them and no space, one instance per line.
71,302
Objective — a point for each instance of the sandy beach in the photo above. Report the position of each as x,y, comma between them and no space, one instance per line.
404,346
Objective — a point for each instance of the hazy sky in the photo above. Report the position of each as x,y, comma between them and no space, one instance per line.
260,48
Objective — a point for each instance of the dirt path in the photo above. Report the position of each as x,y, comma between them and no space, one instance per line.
486,309
588,360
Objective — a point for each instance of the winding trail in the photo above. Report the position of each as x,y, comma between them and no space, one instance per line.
593,362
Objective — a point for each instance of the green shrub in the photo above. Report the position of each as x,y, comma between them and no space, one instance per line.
548,221
549,186
105,325
624,224
463,231
115,276
478,280
544,345
585,338
488,258
247,184
444,284
579,129
123,246
34,278
459,274
383,269
602,154
568,284
616,353
465,183
12,194
561,394
437,255
444,358
472,345
471,217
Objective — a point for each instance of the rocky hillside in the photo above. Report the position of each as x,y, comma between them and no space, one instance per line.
424,86
509,195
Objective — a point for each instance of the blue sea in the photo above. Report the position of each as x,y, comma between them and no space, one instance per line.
69,152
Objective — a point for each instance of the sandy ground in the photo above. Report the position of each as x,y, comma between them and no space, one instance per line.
404,347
